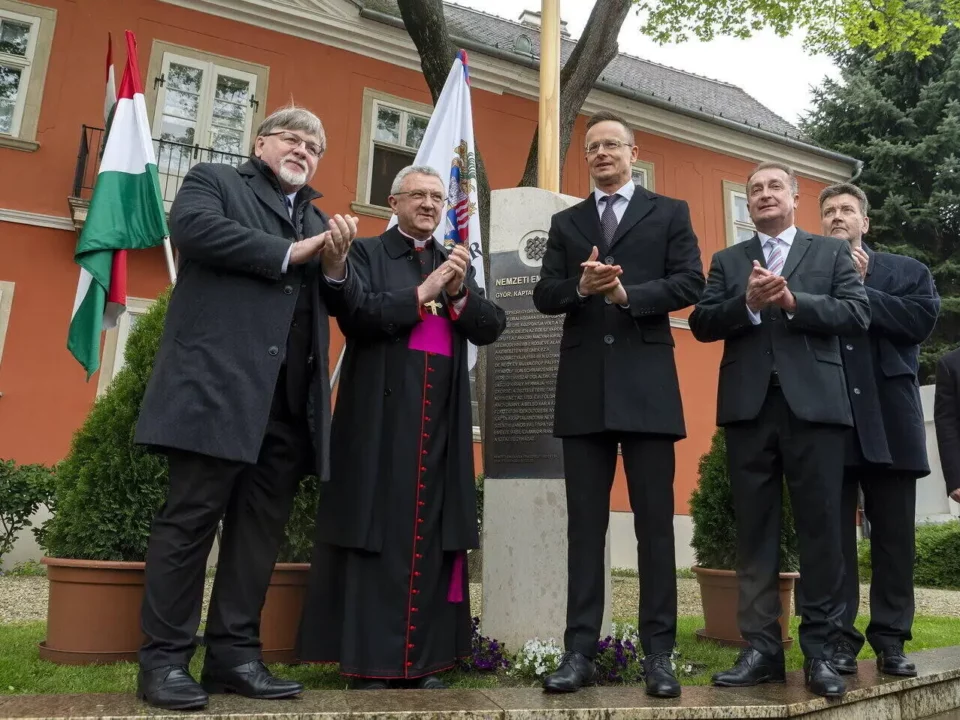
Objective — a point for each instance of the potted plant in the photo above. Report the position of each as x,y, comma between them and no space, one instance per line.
715,547
106,493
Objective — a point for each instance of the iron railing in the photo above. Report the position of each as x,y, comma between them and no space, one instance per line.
173,160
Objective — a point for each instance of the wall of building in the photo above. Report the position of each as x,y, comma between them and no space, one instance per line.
45,394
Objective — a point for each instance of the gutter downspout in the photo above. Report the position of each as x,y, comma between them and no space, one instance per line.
645,99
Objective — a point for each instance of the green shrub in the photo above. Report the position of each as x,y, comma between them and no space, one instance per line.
23,489
711,510
937,558
108,489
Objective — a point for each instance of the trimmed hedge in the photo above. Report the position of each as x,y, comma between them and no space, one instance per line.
938,556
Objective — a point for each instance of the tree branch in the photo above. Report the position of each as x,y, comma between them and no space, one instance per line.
595,49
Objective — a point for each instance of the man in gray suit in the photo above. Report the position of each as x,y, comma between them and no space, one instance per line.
779,301
239,400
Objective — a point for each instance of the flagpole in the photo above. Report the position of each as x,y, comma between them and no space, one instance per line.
548,144
171,265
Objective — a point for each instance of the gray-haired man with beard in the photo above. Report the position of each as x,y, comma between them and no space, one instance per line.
239,401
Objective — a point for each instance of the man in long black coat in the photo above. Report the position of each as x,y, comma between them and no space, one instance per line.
616,265
946,418
887,449
239,401
388,596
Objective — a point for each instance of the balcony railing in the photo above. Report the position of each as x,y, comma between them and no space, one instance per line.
173,161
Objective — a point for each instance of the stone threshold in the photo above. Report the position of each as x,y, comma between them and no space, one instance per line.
870,697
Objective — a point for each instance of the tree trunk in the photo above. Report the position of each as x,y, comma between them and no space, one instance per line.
595,49
427,27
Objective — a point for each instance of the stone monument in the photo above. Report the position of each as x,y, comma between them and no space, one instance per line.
524,511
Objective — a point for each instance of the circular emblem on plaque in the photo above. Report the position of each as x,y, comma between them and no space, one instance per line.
533,246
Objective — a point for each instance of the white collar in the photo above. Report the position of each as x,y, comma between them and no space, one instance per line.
416,241
786,237
626,192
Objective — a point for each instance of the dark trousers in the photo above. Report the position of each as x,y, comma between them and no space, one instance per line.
889,500
760,452
589,466
254,502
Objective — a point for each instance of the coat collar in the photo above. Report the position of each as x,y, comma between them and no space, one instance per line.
587,220
397,244
267,188
754,250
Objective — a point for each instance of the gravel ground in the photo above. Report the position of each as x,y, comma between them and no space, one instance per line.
24,599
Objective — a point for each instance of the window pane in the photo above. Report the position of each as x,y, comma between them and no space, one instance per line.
14,37
386,165
740,212
227,141
388,125
9,86
416,127
184,77
640,177
176,130
744,234
180,104
233,90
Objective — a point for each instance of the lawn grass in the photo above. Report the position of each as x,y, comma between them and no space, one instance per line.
22,671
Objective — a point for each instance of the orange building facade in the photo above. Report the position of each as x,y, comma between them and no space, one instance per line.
213,69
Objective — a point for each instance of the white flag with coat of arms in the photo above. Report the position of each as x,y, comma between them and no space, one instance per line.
448,148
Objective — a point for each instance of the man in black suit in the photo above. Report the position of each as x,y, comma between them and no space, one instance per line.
887,449
239,400
946,418
779,301
617,387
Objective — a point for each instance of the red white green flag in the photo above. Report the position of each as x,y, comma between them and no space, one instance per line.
126,213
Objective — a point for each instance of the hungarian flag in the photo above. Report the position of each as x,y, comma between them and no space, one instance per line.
125,213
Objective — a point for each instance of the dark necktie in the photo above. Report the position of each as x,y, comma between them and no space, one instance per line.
288,203
608,220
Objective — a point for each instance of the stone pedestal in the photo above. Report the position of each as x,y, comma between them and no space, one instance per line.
524,515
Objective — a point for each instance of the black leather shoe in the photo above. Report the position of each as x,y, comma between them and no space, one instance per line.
431,682
659,677
251,680
575,671
892,661
844,658
752,668
362,683
823,679
172,688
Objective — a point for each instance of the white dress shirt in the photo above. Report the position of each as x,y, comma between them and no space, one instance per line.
620,204
786,242
286,259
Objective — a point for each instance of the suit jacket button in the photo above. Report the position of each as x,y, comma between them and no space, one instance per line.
856,391
608,259
287,290
849,347
607,300
386,393
608,339
273,350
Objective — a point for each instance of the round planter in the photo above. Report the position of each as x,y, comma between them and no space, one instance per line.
93,612
280,617
719,591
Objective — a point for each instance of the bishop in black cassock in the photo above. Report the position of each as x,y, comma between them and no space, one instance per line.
388,597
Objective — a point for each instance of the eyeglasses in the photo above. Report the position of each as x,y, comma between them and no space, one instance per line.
292,140
608,145
421,195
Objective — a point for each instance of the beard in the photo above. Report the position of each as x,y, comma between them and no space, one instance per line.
292,176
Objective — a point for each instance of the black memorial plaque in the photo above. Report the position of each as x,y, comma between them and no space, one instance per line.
522,372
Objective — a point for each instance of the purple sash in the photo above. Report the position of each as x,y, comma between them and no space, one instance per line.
433,334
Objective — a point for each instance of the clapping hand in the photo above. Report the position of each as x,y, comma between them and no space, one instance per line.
459,261
861,261
333,253
763,287
597,278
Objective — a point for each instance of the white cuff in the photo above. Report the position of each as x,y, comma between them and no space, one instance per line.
286,261
754,316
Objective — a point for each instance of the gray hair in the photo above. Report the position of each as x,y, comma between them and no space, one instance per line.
413,170
292,117
794,183
846,189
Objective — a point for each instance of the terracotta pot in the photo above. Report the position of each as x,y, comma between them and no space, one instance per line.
719,593
280,617
93,613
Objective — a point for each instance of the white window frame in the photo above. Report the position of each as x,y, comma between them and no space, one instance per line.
373,100
731,191
33,70
115,342
6,307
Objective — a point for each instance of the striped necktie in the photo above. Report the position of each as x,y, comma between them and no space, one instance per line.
774,256
608,220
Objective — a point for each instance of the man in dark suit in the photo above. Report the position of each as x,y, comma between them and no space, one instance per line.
239,400
617,387
887,449
779,301
946,418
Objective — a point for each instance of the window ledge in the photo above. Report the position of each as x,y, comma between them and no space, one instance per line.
13,143
371,210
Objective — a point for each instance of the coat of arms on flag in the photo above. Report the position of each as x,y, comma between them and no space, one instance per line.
460,208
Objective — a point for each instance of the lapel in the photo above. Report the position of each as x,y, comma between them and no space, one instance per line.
800,244
640,205
395,243
268,192
586,219
754,251
871,260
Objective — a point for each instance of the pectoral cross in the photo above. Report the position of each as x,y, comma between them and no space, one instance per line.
433,306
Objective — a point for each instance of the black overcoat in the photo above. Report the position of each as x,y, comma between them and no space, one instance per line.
226,329
378,331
